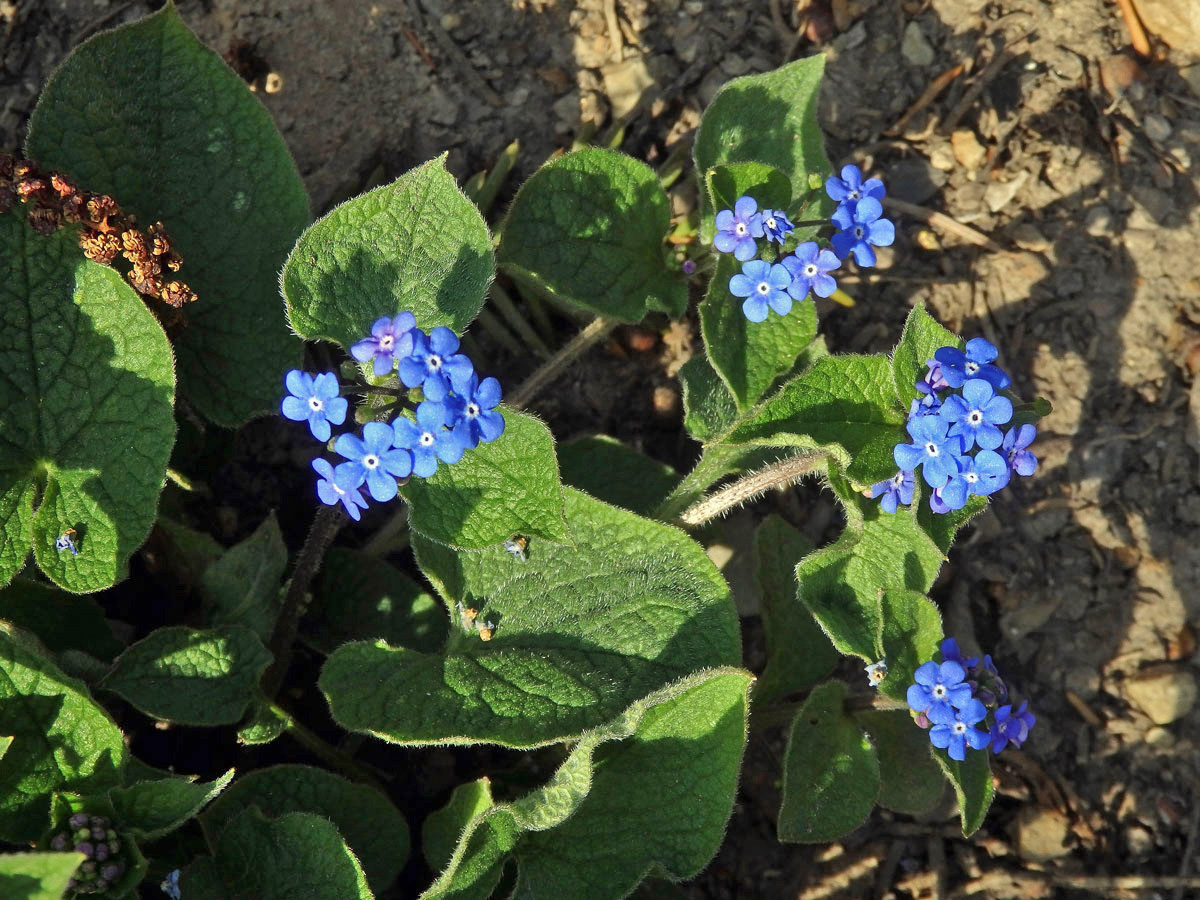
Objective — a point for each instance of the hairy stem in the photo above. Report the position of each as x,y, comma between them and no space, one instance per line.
324,528
774,715
747,488
553,367
326,752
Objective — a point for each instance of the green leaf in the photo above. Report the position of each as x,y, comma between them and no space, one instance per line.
588,229
830,771
769,187
148,114
770,119
749,356
581,632
877,551
187,552
191,677
942,527
651,790
417,244
369,823
264,723
845,405
610,471
708,407
921,338
37,876
442,828
910,781
507,487
61,739
361,597
65,805
61,621
297,855
798,652
241,587
909,634
972,783
86,404
152,809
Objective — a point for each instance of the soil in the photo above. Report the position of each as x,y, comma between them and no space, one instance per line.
1076,159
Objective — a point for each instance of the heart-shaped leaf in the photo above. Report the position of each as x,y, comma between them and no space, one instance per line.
152,809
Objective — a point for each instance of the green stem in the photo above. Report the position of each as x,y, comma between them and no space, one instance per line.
503,301
553,367
499,332
390,536
324,528
326,752
495,179
773,715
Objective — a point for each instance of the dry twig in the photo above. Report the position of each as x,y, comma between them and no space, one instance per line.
930,94
943,222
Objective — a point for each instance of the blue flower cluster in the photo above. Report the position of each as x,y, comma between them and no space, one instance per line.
954,695
457,411
957,442
768,285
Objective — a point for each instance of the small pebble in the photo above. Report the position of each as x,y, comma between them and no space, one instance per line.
273,83
1156,127
914,47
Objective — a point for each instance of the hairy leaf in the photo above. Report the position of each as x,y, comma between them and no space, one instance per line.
148,114
61,621
588,229
910,781
417,244
86,419
152,809
615,473
36,876
496,490
241,587
708,407
921,338
910,630
366,820
830,771
972,783
581,632
61,739
191,677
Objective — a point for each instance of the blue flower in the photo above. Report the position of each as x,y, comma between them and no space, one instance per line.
737,230
474,411
428,438
776,225
949,650
982,475
975,415
932,449
936,503
372,459
763,285
810,271
851,187
1011,727
934,377
958,366
390,338
895,490
1019,459
958,732
861,226
939,690
170,885
66,541
314,399
435,364
339,485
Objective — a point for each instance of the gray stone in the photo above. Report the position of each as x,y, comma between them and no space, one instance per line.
1156,127
1175,21
914,180
1099,221
914,47
1041,834
1165,694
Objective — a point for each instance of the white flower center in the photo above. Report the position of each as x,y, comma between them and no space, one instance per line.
971,478
740,228
371,461
472,411
810,270
971,367
975,416
939,691
316,404
898,479
433,362
858,231
763,288
771,223
931,449
853,195
427,439
386,342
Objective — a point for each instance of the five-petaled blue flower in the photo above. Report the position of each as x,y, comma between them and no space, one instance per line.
170,885
429,439
339,485
851,187
950,651
896,490
390,339
777,225
932,449
435,363
1011,727
957,731
810,271
475,411
958,366
939,690
314,399
981,475
763,285
373,460
861,226
975,415
737,230
1019,459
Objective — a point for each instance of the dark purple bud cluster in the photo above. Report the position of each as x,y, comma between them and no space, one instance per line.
94,837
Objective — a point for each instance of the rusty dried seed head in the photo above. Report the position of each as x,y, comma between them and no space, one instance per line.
63,187
45,221
101,208
177,294
134,244
173,261
73,208
101,248
28,188
23,168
